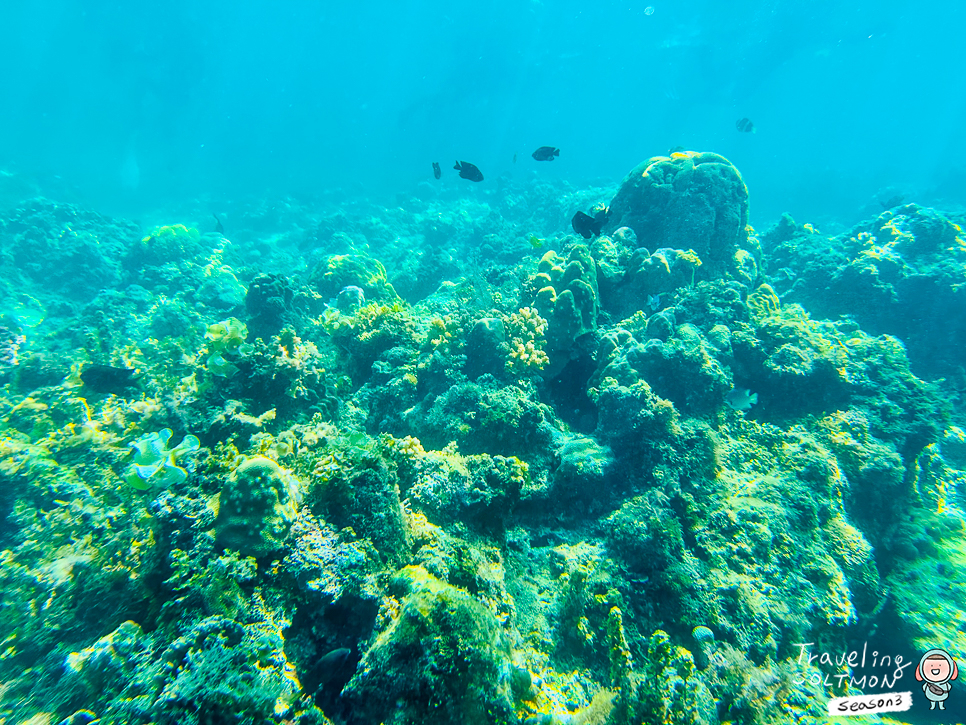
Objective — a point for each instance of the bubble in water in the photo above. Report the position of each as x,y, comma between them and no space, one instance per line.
649,10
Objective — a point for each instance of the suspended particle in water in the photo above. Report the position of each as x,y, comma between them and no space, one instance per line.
649,10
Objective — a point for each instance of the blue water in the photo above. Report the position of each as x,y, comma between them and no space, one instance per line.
129,104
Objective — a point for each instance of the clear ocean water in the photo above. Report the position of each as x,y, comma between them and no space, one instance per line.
124,104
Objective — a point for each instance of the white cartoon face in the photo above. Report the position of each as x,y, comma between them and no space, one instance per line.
936,669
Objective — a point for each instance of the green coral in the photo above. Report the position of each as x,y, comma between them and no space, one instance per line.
169,243
582,475
256,507
527,331
690,200
684,369
369,332
226,338
657,273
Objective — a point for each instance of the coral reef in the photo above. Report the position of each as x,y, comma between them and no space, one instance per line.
898,274
157,465
554,482
339,271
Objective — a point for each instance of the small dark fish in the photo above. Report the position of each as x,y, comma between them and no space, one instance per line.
330,667
219,229
514,158
334,659
437,172
586,225
745,126
468,171
676,150
545,153
892,201
107,379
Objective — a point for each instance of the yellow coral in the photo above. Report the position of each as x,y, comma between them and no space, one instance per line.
690,256
527,341
764,302
226,334
409,446
440,331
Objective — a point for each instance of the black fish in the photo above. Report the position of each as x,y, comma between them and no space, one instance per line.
468,171
514,158
107,379
332,667
745,125
437,172
545,153
219,229
586,225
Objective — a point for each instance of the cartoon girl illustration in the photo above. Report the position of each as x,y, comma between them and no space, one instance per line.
936,671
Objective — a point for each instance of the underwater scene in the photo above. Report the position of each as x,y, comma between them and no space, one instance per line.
515,363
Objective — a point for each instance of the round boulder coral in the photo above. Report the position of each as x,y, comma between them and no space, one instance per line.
690,200
256,507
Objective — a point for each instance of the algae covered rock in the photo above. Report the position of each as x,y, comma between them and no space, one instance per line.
479,490
269,302
683,369
64,248
689,200
486,347
443,658
652,276
581,474
172,243
488,418
219,670
256,507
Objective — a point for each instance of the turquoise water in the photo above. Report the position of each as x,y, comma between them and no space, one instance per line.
650,411
131,104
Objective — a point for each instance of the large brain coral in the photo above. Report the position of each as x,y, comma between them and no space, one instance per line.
690,200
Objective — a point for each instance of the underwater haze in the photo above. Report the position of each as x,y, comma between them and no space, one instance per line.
533,363
130,102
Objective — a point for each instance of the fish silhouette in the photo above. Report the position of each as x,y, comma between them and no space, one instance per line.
107,379
745,125
545,153
586,225
468,171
